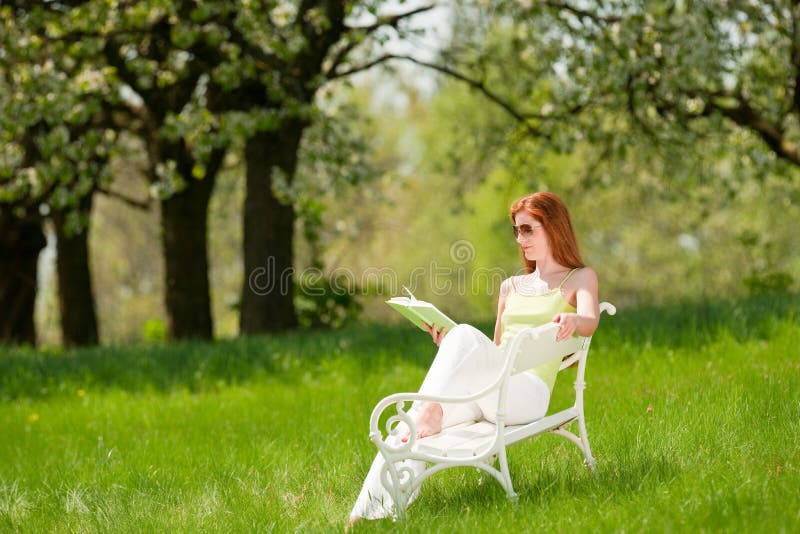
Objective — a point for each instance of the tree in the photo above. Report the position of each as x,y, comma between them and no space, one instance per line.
189,77
307,45
75,290
118,73
53,160
699,62
673,71
21,240
153,59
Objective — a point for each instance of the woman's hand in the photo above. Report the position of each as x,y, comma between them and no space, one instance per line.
568,322
437,334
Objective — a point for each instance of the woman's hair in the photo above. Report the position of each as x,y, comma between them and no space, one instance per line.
549,210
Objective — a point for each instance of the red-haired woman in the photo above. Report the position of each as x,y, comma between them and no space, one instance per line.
557,287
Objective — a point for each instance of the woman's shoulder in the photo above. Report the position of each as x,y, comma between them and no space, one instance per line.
506,286
584,276
511,284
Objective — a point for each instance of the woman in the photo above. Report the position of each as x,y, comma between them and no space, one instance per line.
558,287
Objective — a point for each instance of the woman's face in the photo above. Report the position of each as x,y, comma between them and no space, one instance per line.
531,237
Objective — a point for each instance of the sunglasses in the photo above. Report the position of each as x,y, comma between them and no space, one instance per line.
527,230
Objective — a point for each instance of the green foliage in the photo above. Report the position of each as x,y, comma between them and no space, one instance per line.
660,180
203,73
322,302
154,330
55,145
765,275
661,225
333,160
691,411
674,73
189,79
659,198
774,282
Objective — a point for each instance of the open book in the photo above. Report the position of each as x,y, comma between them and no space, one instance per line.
419,312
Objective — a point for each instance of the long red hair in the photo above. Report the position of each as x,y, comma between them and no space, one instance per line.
551,212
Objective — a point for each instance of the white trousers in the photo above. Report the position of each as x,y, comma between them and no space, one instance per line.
467,362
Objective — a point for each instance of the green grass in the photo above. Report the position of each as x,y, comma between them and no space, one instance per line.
693,412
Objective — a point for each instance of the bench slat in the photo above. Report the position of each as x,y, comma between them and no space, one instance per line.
470,439
460,441
517,433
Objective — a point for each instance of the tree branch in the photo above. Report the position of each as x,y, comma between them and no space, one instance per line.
143,205
256,52
75,36
111,52
794,89
747,117
391,21
474,84
581,13
772,134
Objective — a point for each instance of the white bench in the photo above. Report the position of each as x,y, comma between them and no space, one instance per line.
480,444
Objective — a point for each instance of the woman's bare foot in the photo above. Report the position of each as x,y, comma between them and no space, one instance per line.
352,521
429,421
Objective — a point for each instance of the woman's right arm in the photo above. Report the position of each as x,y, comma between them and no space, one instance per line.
505,288
438,334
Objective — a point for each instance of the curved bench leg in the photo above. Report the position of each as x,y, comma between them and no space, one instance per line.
589,460
582,443
506,482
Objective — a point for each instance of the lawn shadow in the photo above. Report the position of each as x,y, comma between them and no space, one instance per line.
290,356
691,324
208,365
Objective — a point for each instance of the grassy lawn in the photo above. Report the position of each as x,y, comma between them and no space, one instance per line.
693,412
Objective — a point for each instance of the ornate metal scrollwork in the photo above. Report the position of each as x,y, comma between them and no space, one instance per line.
398,479
393,424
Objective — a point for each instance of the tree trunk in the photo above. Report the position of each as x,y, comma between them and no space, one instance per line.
21,240
75,295
184,224
267,303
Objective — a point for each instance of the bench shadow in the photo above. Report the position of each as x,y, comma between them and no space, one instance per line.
538,489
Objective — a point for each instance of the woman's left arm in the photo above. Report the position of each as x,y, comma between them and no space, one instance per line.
587,307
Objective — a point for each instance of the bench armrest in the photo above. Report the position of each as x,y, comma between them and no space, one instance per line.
402,416
572,359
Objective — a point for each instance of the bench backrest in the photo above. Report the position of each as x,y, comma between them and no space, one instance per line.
536,346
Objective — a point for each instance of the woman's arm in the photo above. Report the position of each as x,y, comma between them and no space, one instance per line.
584,321
505,287
437,333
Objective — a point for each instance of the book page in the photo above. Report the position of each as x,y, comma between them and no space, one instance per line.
420,312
